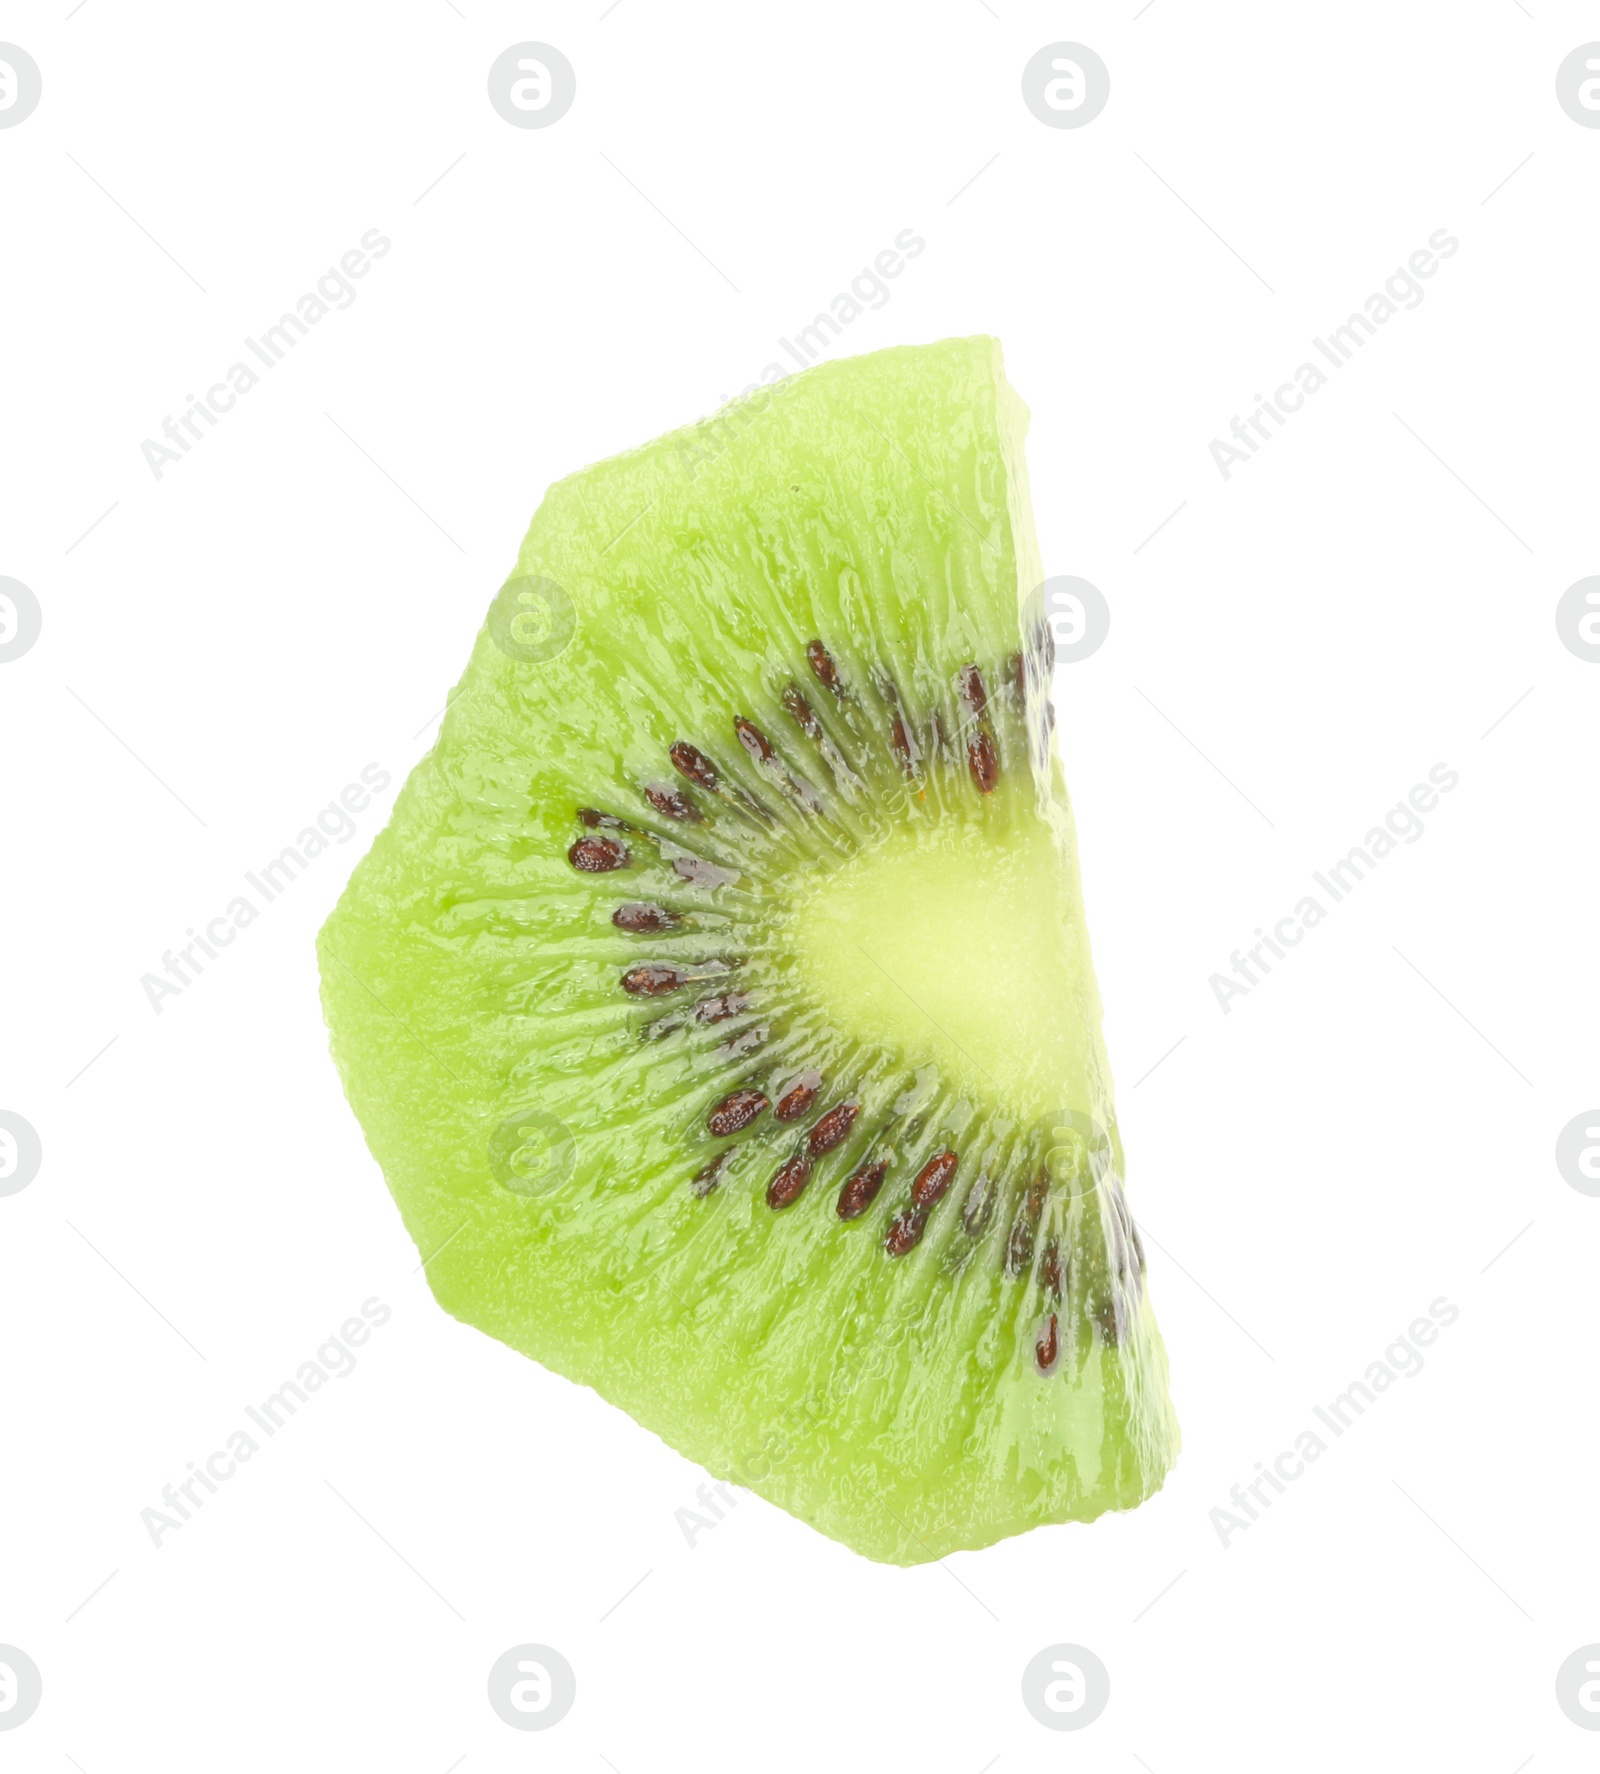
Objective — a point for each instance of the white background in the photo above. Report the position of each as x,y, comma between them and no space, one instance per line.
226,647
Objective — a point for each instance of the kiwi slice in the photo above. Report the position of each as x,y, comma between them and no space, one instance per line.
718,1000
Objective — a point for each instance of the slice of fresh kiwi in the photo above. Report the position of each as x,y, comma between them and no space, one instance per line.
718,1001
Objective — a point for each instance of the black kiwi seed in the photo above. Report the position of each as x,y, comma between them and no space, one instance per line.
754,741
707,1178
983,761
673,805
859,1192
639,918
789,1182
905,1231
651,981
979,1210
1019,1252
833,1129
719,1009
933,1179
802,712
798,1098
973,692
598,856
736,1111
905,747
824,669
689,761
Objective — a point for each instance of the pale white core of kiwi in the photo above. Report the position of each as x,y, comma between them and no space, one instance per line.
961,945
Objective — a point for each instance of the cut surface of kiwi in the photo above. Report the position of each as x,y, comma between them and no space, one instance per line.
718,1000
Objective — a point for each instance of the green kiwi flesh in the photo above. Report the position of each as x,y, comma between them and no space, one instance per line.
718,1000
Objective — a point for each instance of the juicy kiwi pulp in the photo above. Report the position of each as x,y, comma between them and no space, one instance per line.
718,1000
